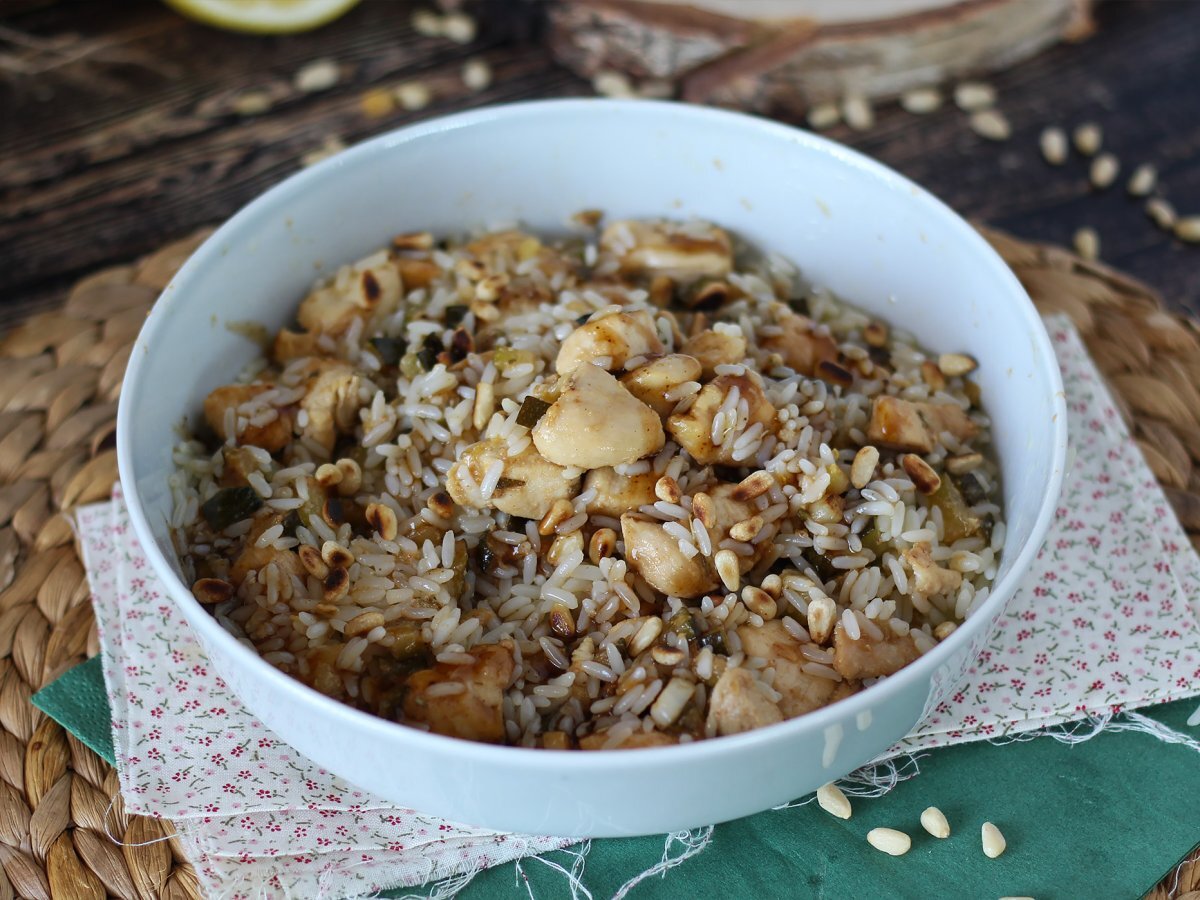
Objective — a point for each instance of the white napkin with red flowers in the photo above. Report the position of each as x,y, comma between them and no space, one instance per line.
1108,619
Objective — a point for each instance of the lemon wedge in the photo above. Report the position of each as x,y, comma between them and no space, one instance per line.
263,16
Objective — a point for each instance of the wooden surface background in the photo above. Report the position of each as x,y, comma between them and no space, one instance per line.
137,142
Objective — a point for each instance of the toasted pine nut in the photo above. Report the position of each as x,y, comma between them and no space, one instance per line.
310,558
602,545
667,488
560,510
961,465
753,486
382,518
822,615
727,567
212,590
335,555
921,473
863,468
759,602
703,509
944,630
746,530
328,475
954,364
362,623
351,477
562,622
666,656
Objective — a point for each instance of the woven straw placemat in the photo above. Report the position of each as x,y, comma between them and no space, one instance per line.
60,374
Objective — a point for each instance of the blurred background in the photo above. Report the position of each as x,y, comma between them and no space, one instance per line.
124,125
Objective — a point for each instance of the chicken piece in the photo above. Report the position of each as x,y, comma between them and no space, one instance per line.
931,580
738,704
800,346
801,692
656,556
619,336
866,658
650,382
904,425
693,429
897,424
475,713
596,422
239,462
331,309
332,402
684,252
715,348
618,494
289,345
949,417
845,688
528,485
635,741
272,437
254,559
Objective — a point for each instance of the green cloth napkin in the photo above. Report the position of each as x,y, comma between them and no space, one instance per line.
78,701
1106,818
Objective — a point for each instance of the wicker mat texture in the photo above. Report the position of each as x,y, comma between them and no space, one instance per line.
60,374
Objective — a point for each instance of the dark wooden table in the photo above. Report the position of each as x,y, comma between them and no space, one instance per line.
137,142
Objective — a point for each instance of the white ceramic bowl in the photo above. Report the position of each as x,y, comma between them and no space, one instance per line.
851,224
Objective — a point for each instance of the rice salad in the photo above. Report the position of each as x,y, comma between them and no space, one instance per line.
635,486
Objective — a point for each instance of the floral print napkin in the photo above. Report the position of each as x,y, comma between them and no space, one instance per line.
1107,619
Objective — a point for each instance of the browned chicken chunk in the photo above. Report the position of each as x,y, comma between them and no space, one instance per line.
476,712
865,658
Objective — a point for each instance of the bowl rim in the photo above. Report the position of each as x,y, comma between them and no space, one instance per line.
334,712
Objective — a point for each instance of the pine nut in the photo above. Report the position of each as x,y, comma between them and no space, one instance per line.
1054,146
666,656
934,821
667,488
773,585
1104,170
759,602
1088,138
413,95
310,558
336,556
991,124
920,101
746,530
753,486
611,83
889,840
933,376
1188,229
646,635
875,334
602,545
822,615
862,470
955,364
703,509
351,477
921,473
944,630
961,465
972,96
857,112
210,591
440,504
318,75
362,623
1162,212
727,567
459,27
562,623
560,510
1143,180
328,475
823,116
1087,243
477,74
426,23
383,519
831,799
993,841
